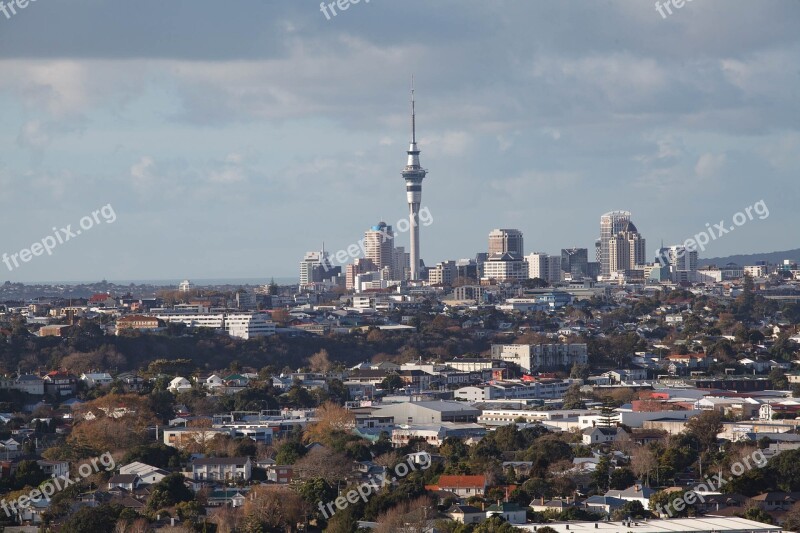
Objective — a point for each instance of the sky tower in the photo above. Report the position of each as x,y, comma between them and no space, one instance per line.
413,173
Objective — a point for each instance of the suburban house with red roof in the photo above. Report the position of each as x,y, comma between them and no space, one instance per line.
463,486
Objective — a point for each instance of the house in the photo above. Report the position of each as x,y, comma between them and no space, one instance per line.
463,486
222,469
179,384
128,482
281,474
508,511
716,503
138,322
59,383
214,382
131,381
232,497
53,468
635,493
602,435
148,475
466,514
775,501
603,504
102,300
236,380
557,504
29,383
96,379
9,445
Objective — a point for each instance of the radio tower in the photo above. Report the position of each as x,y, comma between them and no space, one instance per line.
413,173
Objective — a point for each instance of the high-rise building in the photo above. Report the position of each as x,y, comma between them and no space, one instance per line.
504,267
622,247
402,263
575,262
544,266
537,265
502,241
379,246
443,273
413,174
554,269
610,225
358,267
682,262
316,268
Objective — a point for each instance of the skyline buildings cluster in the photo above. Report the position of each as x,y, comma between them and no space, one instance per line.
620,252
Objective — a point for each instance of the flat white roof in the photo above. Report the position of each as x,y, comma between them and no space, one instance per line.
675,525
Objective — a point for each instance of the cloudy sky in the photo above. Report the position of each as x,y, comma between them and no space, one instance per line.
231,137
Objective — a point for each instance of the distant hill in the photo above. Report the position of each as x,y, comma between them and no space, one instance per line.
750,259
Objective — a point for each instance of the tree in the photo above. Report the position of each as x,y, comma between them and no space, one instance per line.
112,422
273,508
602,474
320,361
100,519
289,452
28,474
777,379
757,515
392,382
632,509
332,419
607,416
496,524
317,490
791,520
573,399
169,491
643,462
705,428
325,463
672,503
280,316
408,516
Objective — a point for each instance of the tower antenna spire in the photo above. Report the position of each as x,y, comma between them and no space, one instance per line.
413,113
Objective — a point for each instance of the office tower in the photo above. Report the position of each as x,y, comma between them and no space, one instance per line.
467,268
575,261
622,247
316,268
413,174
480,259
358,267
553,269
503,241
402,263
682,262
379,246
611,224
537,265
504,267
443,273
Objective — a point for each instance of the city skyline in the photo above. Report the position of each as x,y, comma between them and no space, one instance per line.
210,148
